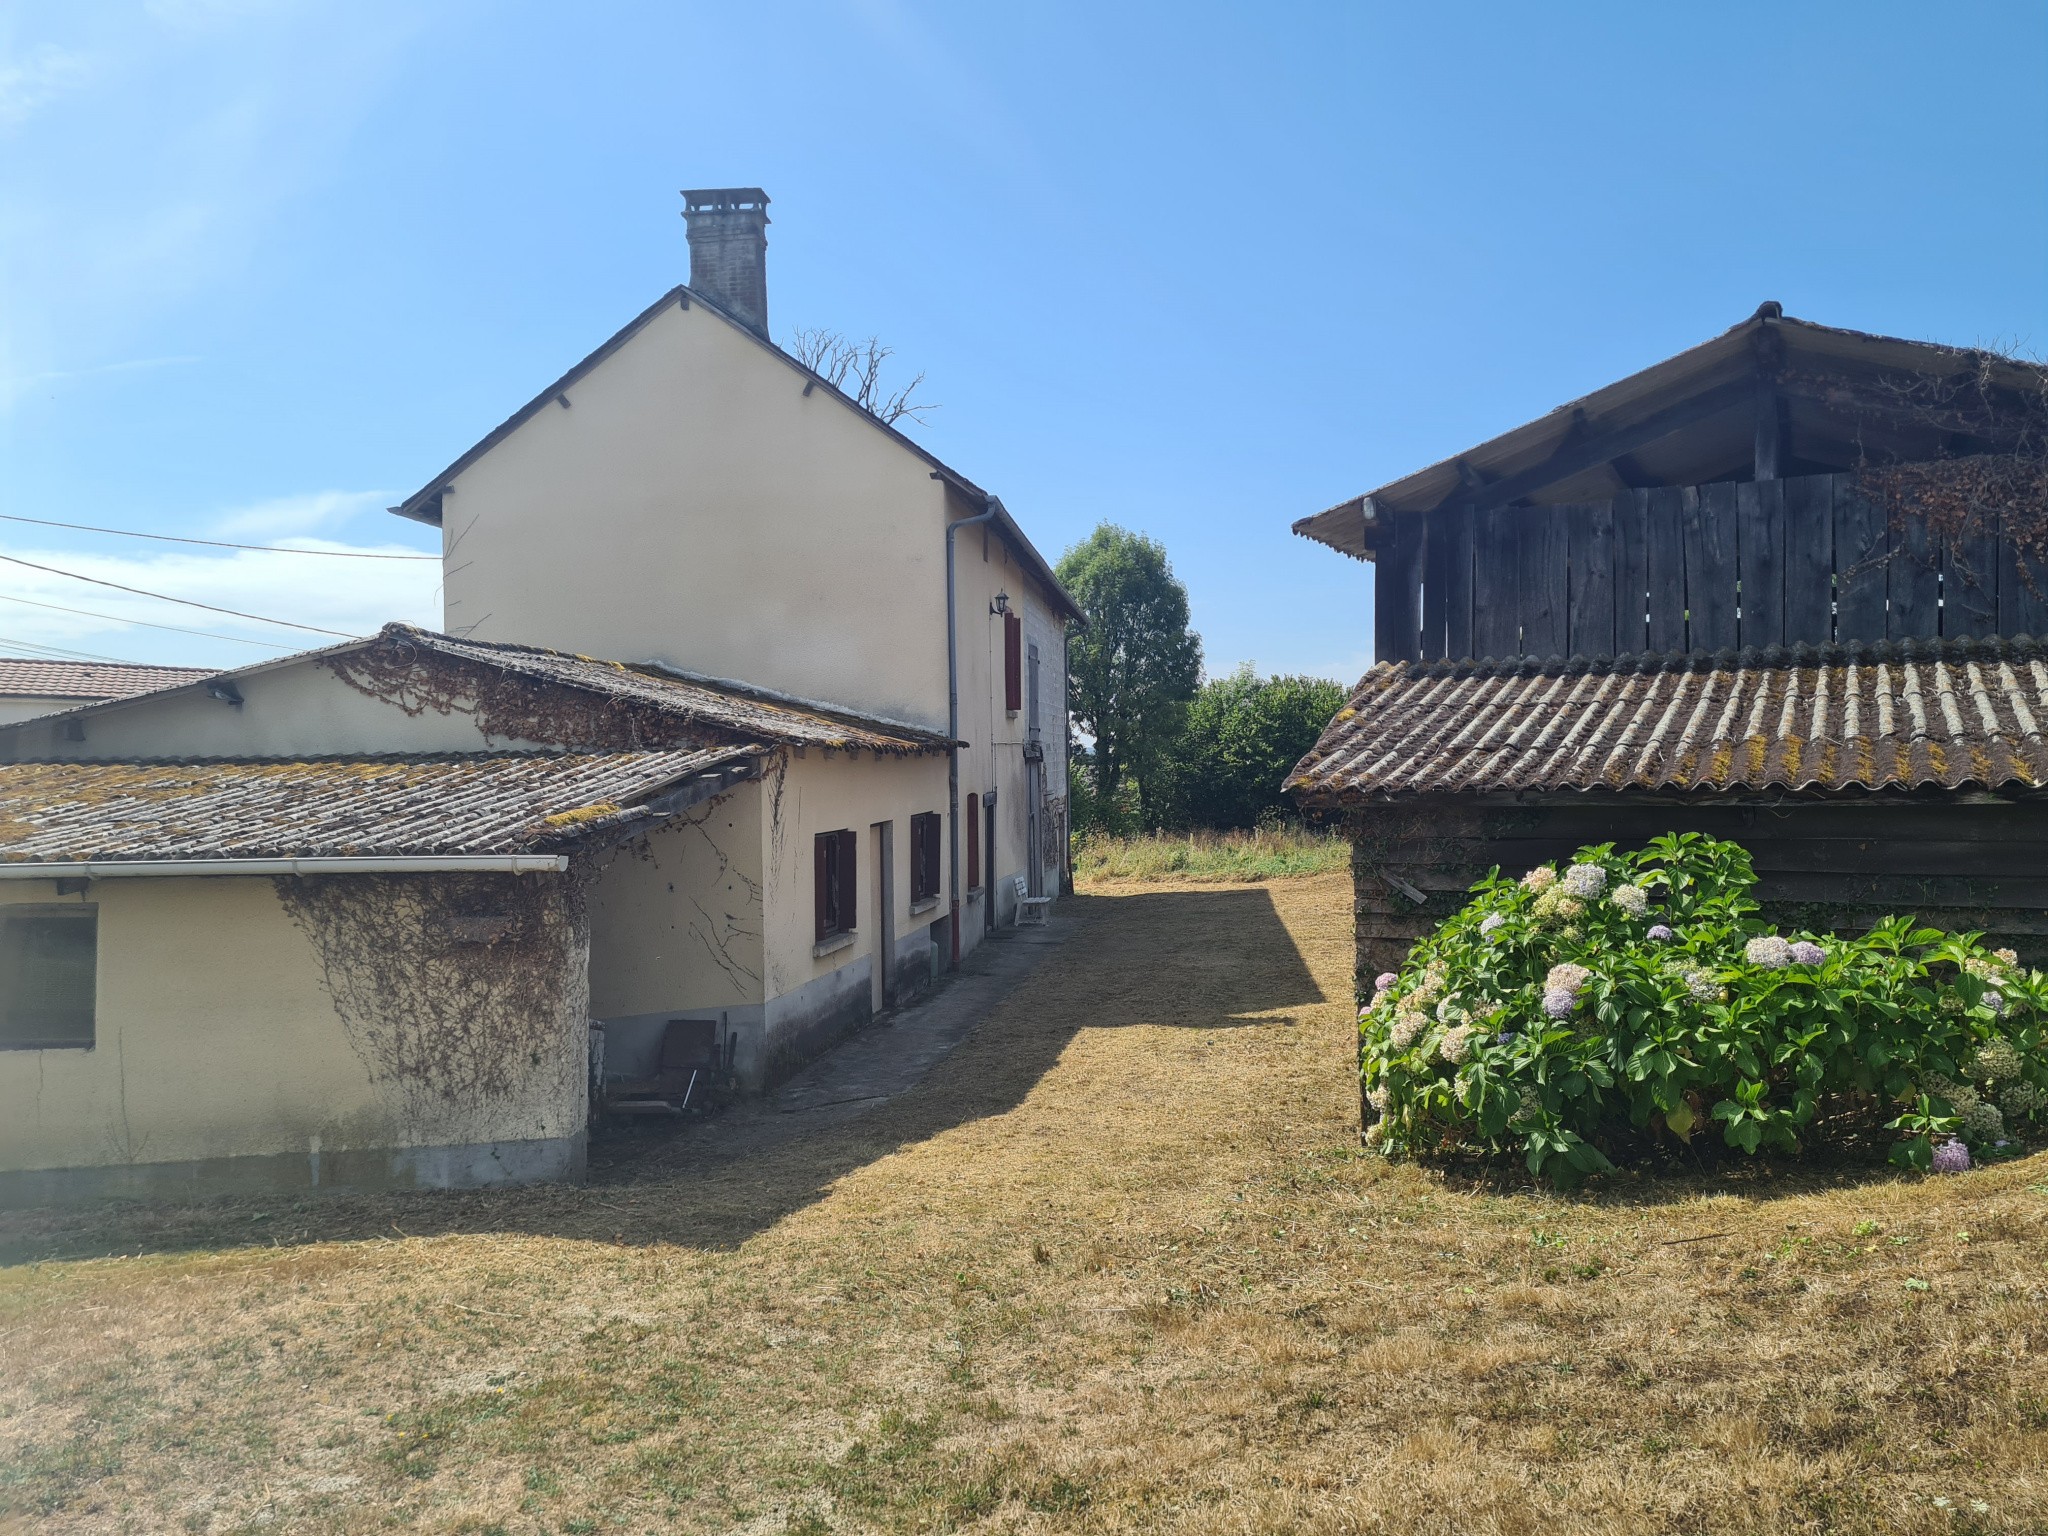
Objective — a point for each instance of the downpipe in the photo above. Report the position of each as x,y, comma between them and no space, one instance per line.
987,514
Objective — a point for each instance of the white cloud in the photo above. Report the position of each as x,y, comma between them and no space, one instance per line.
37,77
297,516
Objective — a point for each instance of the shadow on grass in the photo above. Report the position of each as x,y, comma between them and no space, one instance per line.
1206,958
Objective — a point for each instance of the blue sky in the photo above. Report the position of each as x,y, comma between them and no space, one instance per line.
266,266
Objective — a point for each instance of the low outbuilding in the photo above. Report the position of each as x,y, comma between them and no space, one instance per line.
348,918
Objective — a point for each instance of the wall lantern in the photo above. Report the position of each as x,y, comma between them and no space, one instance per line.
1001,604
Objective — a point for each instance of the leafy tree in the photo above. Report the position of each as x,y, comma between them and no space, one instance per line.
1134,668
1241,736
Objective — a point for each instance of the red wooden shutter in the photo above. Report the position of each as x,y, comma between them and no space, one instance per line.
1013,663
820,846
974,842
849,887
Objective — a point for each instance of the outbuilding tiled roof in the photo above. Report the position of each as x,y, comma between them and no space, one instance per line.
41,678
674,707
1906,715
362,806
729,707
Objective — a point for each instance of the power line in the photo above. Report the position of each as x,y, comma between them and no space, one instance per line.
233,613
59,653
170,538
115,618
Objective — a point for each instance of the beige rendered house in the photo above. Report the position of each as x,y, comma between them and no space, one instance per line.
359,917
691,495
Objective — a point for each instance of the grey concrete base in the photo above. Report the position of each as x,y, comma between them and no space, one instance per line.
465,1167
802,1024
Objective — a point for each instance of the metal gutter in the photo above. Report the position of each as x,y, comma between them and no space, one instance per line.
421,864
987,514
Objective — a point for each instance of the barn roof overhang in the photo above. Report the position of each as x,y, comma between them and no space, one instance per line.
1834,398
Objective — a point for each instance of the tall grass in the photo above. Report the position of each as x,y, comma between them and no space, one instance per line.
1259,854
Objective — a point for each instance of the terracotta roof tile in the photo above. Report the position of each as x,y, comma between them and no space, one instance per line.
1952,714
41,678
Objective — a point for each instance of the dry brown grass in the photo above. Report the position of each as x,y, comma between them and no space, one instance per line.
1115,1267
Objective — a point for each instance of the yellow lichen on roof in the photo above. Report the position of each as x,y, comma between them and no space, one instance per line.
1424,727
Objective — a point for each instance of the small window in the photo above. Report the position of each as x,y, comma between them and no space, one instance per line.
974,842
1013,663
48,956
835,883
924,856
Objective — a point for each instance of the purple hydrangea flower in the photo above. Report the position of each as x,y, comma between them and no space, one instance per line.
1659,932
1951,1157
1806,952
1490,922
1558,1001
1384,980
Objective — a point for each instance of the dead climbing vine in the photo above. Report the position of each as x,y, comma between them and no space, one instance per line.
453,988
1984,478
509,706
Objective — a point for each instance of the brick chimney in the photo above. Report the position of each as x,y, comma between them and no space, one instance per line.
729,251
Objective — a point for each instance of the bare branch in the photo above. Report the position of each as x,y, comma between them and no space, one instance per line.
854,368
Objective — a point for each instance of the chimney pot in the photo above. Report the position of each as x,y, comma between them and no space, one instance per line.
729,251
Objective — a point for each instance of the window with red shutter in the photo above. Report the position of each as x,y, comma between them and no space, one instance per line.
924,856
836,883
1013,663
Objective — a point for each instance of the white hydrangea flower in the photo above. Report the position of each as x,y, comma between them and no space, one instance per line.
1982,1122
1995,1062
1701,984
1566,977
1768,951
1541,878
1408,1025
1632,899
2021,1099
1456,1045
1585,881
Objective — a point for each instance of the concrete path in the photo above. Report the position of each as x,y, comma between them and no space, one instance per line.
898,1049
889,1057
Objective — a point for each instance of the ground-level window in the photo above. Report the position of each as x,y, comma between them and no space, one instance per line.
48,956
974,842
836,883
924,856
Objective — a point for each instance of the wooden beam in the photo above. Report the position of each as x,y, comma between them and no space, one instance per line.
1584,450
1768,433
1768,345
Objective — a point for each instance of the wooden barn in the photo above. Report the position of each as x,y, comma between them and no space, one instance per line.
1789,587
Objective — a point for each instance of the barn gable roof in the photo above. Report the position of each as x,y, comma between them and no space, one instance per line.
1691,420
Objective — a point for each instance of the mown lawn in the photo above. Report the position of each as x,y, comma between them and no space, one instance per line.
1116,1266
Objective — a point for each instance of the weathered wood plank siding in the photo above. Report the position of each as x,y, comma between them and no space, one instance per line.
1704,568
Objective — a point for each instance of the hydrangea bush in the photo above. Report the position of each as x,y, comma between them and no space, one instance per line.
1587,1015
